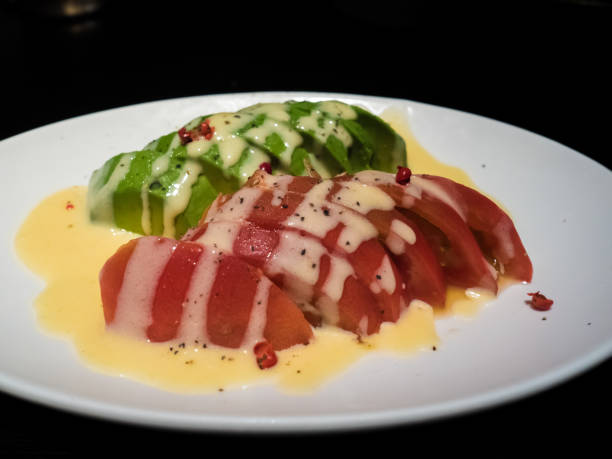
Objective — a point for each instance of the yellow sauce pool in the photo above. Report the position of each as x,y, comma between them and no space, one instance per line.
58,243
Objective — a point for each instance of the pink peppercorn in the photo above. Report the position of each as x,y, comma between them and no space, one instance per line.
403,175
184,135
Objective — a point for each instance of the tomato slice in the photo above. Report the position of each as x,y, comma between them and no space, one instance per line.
419,275
241,292
111,278
312,275
234,302
286,252
315,278
171,292
414,258
463,262
293,211
494,229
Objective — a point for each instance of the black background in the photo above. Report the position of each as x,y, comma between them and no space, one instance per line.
540,65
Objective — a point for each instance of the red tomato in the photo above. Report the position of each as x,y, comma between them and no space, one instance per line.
462,261
171,292
230,301
111,279
417,262
417,267
439,233
270,213
495,230
257,246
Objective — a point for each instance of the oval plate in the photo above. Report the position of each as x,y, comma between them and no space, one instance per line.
554,194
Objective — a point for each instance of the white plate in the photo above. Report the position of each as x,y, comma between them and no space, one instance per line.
558,198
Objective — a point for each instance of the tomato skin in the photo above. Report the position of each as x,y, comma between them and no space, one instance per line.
286,326
463,266
498,237
171,291
269,214
229,306
417,267
257,246
455,230
230,302
356,303
111,279
461,226
366,260
417,263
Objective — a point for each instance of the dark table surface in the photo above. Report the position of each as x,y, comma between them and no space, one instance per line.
540,65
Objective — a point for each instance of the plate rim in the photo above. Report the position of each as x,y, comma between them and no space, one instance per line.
307,93
303,424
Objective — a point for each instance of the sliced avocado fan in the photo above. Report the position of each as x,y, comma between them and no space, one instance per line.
165,188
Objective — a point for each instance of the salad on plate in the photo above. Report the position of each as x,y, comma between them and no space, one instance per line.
259,235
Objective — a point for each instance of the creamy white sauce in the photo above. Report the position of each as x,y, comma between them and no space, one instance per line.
230,145
309,216
403,231
159,167
321,128
220,236
298,256
276,111
277,182
395,243
337,109
253,161
239,206
278,195
193,320
385,276
318,216
319,166
373,177
377,178
258,317
363,198
101,203
323,122
339,271
142,272
179,194
356,230
291,138
438,192
502,231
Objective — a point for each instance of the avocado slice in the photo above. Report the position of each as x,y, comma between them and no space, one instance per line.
166,187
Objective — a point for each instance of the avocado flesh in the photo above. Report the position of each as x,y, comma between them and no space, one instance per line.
165,188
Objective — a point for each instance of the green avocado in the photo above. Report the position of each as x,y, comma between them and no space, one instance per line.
165,188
